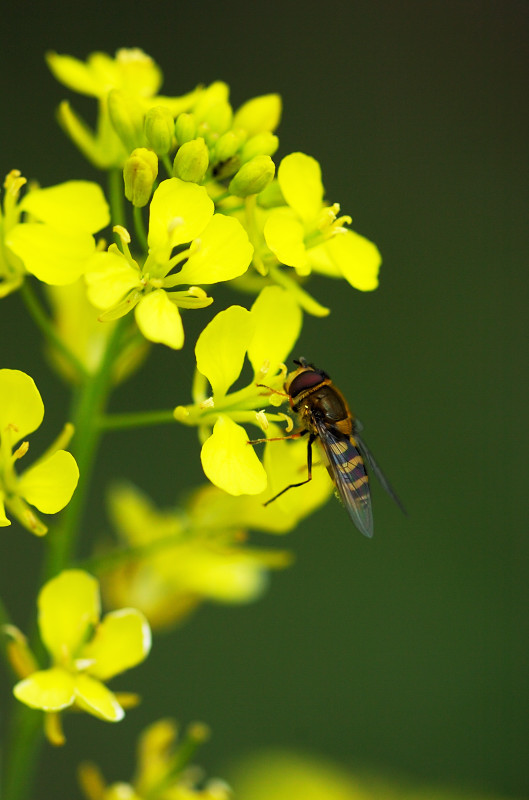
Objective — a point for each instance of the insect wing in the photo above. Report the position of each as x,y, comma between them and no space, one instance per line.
370,461
347,470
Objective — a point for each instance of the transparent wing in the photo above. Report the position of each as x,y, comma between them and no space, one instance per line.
370,461
347,470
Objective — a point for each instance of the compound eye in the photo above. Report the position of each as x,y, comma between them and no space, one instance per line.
305,380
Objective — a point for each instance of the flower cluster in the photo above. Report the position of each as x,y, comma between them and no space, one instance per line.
195,199
85,651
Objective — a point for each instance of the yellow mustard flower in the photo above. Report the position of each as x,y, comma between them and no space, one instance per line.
55,240
85,651
310,236
182,559
163,771
126,88
266,334
50,482
216,249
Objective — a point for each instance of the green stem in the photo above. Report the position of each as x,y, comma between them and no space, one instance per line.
26,739
42,320
166,161
22,756
88,407
139,227
140,419
116,197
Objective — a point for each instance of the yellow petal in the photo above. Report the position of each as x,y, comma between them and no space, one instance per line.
357,259
224,252
68,606
221,347
122,640
230,462
93,696
4,521
278,320
49,689
179,212
49,485
109,277
284,235
299,178
79,76
258,114
56,257
131,70
224,575
21,406
159,320
70,206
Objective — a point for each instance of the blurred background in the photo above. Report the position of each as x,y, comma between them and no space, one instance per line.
406,655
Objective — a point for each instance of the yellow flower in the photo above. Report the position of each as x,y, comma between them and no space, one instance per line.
50,482
85,651
162,772
55,241
126,88
217,249
182,560
266,334
309,236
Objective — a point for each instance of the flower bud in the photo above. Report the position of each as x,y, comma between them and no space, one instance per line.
159,129
139,173
253,176
126,116
218,117
227,145
185,128
262,144
191,161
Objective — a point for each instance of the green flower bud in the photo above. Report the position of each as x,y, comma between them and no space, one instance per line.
227,145
253,176
262,144
185,128
191,161
139,173
218,118
126,116
159,129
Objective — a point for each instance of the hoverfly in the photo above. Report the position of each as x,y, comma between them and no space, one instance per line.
325,416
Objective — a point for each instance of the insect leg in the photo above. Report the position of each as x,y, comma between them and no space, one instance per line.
277,438
312,437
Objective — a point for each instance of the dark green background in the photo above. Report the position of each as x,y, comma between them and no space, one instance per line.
406,654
